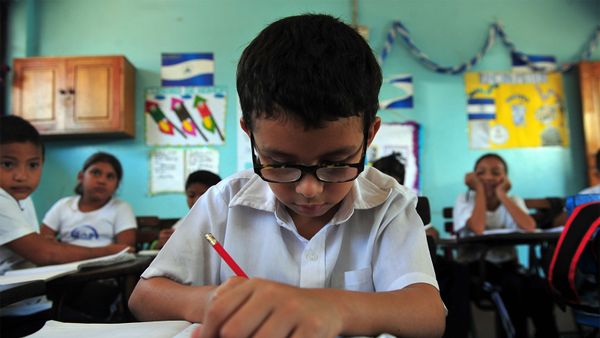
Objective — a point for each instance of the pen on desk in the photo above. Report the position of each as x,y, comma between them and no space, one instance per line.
221,251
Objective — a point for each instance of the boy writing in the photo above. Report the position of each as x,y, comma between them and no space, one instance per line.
315,233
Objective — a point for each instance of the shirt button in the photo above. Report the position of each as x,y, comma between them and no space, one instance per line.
311,256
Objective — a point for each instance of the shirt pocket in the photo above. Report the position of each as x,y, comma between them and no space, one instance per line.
359,280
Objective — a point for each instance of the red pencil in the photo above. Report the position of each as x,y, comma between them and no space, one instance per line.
221,251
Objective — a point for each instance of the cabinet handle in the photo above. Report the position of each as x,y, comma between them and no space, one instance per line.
71,91
62,92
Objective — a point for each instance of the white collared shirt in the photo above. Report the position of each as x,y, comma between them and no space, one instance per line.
375,242
93,228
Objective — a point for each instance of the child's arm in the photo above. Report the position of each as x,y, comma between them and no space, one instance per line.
127,237
521,217
476,222
245,307
47,232
43,251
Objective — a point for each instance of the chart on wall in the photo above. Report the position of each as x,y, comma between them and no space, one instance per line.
512,110
402,138
169,167
184,116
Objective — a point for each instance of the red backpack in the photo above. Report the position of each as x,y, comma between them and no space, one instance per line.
575,266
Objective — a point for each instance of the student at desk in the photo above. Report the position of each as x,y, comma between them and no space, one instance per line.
196,185
92,218
487,205
21,159
330,249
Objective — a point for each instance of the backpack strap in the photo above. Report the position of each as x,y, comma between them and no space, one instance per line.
575,236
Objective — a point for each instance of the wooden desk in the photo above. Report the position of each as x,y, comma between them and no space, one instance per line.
512,238
126,273
12,293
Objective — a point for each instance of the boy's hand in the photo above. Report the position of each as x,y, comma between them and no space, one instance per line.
503,187
259,308
473,182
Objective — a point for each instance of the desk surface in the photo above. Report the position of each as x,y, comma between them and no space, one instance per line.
511,238
12,293
129,268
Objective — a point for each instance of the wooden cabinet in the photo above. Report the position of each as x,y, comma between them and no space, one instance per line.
589,77
76,97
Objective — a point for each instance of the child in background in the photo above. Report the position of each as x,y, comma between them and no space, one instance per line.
94,217
487,205
312,230
452,276
195,186
21,245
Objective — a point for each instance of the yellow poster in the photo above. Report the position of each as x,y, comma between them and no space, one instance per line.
512,110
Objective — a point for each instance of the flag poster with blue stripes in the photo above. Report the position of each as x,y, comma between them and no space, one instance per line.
187,69
512,110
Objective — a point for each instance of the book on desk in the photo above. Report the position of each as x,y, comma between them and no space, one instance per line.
49,272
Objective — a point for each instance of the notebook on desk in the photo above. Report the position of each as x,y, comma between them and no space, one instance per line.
155,329
50,272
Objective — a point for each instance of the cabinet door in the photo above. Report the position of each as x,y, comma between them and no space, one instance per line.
39,94
589,73
95,84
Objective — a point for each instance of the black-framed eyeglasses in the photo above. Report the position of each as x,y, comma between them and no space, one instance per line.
327,172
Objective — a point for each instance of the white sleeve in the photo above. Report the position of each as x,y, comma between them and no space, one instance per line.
124,218
463,209
13,223
52,216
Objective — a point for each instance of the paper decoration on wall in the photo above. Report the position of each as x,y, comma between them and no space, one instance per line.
187,69
185,116
511,110
546,63
397,92
404,139
169,167
496,30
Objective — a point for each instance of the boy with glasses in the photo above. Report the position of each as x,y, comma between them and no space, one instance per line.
331,248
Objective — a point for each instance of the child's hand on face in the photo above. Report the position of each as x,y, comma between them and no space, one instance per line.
243,307
503,187
472,181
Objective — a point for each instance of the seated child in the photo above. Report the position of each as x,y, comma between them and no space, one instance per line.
21,245
487,205
331,248
93,217
195,186
452,276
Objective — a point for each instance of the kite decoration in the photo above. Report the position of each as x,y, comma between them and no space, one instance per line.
208,121
164,125
197,114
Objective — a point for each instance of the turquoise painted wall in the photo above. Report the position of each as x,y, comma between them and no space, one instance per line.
448,31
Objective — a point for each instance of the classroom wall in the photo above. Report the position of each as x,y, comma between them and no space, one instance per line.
450,32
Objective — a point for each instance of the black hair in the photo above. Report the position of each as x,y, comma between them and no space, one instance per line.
202,176
101,157
492,155
598,160
15,129
392,165
312,68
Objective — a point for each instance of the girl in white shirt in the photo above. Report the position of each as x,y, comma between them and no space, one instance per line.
93,217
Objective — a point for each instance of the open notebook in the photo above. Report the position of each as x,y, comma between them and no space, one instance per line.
157,329
54,271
